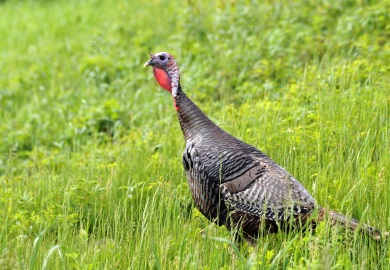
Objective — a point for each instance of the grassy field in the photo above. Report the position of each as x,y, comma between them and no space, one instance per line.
90,153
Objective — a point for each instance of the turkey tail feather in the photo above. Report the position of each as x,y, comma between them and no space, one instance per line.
352,224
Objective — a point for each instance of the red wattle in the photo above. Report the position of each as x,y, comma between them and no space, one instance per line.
162,78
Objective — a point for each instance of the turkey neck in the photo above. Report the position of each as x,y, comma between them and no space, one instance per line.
195,125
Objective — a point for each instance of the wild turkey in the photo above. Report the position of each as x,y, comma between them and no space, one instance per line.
233,183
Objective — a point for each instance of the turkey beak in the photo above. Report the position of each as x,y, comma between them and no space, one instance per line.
147,63
150,62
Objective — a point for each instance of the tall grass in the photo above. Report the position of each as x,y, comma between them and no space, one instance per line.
90,156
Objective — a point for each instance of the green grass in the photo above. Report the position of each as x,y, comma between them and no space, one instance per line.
90,153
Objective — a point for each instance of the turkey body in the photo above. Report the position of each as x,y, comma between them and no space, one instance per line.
233,183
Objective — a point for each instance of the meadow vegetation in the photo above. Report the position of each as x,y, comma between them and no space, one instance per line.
90,153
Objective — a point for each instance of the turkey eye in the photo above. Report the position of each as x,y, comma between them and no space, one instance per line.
162,57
